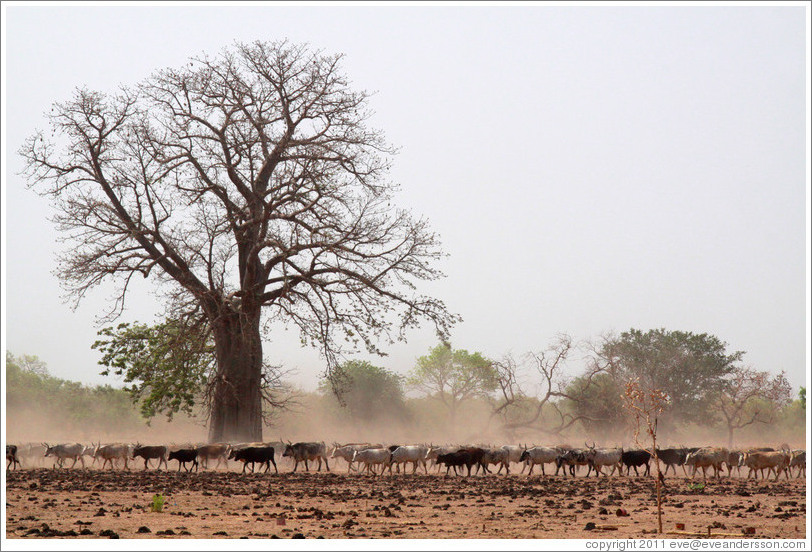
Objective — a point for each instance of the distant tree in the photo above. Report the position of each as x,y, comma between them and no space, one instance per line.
690,368
453,376
597,400
28,363
251,187
368,392
750,396
802,397
32,394
544,408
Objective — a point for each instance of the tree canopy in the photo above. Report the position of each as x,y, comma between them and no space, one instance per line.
368,392
453,376
751,396
690,368
167,367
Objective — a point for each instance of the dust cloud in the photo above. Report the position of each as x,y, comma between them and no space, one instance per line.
317,418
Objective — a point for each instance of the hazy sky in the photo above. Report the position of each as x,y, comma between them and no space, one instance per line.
589,169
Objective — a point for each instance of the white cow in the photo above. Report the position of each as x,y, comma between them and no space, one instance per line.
494,456
373,457
114,451
539,455
598,458
63,451
414,454
348,451
513,453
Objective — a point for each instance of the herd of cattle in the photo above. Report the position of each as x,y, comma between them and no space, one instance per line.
372,457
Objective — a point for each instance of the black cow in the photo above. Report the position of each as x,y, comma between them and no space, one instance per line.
464,457
148,453
11,456
183,456
634,459
674,457
252,455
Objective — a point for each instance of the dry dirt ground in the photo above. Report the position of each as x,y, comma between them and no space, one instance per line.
227,504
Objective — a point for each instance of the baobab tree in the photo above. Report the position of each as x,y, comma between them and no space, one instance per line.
250,187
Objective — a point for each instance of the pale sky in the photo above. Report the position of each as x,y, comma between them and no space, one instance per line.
589,169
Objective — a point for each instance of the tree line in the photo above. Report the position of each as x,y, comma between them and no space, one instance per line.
565,388
32,394
537,393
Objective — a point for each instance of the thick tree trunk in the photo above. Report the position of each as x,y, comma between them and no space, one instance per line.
236,409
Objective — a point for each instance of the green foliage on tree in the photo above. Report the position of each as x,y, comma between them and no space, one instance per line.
453,377
691,368
368,392
802,397
166,366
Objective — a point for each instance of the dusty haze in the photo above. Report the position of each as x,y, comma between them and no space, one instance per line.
314,419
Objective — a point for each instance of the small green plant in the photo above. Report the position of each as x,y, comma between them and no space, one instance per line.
158,503
696,486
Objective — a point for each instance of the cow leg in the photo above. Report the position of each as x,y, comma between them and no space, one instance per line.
307,468
275,469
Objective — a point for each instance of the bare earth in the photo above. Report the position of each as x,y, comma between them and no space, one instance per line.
227,504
